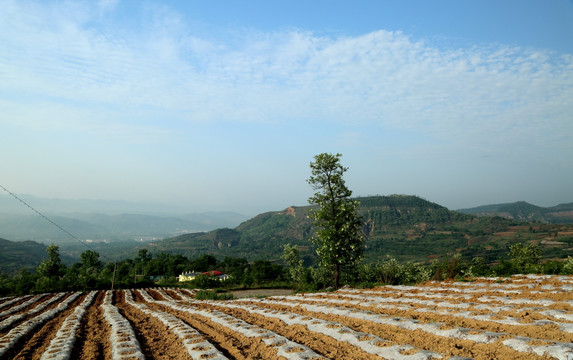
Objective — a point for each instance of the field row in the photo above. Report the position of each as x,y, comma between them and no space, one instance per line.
523,317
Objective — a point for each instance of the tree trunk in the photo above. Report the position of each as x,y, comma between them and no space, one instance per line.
336,276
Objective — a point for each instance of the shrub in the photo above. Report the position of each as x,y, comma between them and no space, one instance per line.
415,273
212,295
567,268
391,271
206,282
526,258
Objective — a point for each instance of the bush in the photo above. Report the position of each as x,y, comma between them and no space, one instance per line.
206,282
391,271
212,295
567,268
552,267
526,257
415,273
321,278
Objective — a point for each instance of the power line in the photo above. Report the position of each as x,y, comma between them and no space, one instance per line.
51,221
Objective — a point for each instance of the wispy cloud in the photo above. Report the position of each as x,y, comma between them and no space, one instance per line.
65,53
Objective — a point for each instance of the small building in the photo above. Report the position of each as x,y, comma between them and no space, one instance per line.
187,276
223,277
191,275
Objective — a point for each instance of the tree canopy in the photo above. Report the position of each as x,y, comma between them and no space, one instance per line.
338,237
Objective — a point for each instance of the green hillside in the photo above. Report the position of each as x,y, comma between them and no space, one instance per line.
523,211
17,255
402,226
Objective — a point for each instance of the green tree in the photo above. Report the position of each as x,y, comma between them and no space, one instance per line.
338,238
89,270
205,262
52,267
50,270
568,266
525,257
295,264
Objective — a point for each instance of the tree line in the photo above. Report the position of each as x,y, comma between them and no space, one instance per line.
146,269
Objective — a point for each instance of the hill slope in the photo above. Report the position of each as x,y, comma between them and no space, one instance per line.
17,255
521,210
406,227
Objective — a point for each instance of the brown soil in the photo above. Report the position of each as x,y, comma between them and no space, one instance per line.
155,339
92,342
159,342
35,343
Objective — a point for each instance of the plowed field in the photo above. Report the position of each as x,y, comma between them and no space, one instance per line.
524,317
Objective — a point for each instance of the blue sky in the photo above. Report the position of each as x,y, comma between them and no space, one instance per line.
222,105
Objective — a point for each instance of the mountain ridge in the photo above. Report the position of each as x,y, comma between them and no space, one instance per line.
406,227
524,211
403,226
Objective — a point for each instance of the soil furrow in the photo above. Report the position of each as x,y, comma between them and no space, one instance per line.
155,339
37,343
417,338
207,332
320,343
92,342
523,317
250,346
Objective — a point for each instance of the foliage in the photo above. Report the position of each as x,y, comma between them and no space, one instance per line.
390,271
297,271
205,282
212,295
405,227
338,238
50,271
52,266
415,273
568,266
525,257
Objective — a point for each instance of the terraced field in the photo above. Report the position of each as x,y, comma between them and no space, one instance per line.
524,317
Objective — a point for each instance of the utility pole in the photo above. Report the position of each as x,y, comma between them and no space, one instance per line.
113,278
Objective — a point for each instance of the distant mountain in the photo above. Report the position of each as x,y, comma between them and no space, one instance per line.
521,210
406,227
65,207
17,255
103,227
403,226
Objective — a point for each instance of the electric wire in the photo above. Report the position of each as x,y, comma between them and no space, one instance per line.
53,223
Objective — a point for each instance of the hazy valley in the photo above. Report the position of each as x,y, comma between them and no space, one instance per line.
402,226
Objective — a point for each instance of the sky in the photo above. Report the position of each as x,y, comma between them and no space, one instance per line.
222,105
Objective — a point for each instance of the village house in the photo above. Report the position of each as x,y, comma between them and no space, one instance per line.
191,275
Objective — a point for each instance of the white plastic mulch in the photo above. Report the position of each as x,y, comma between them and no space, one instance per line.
320,303
10,320
196,345
61,346
9,301
430,306
10,339
366,342
284,347
123,341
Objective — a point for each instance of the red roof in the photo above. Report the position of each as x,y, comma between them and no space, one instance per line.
213,273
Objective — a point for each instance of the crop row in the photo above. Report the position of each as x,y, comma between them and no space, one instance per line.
524,317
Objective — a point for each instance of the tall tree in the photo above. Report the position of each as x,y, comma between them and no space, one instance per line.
338,237
52,267
50,271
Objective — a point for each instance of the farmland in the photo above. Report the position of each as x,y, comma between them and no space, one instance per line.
522,317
